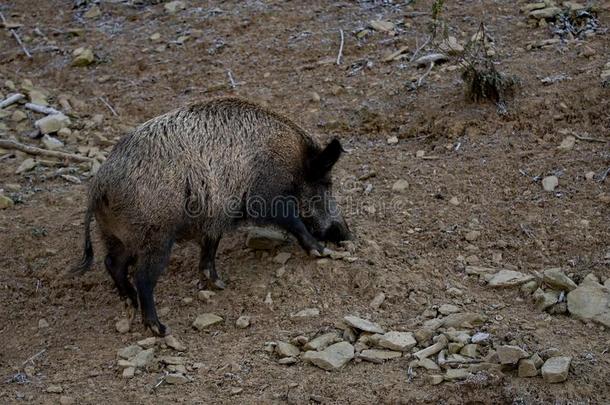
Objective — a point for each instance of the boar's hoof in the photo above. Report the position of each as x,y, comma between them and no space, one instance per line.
327,252
209,284
315,253
159,329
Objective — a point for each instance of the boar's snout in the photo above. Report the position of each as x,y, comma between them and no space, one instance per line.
337,232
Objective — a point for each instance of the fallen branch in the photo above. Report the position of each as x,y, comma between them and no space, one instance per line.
34,356
419,81
107,104
340,47
586,138
32,150
11,100
16,36
419,48
231,80
41,109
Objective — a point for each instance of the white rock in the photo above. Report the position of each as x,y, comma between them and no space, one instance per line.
567,143
284,349
174,6
307,313
243,322
129,372
52,123
174,343
204,320
377,301
457,374
400,186
129,352
383,26
52,143
332,358
282,257
555,369
379,356
122,325
176,379
43,324
527,368
143,358
511,354
393,140
549,183
401,341
509,278
322,342
205,295
427,59
590,301
480,337
363,324
447,309
55,389
556,278
545,299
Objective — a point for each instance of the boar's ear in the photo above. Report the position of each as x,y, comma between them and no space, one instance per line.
321,163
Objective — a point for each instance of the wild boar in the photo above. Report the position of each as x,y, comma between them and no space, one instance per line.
198,172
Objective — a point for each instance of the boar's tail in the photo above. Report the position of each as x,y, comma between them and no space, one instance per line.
85,264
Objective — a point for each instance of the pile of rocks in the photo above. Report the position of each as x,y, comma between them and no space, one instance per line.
555,292
146,355
445,347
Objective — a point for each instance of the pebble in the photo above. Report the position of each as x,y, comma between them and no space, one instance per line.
307,313
243,322
282,258
567,143
265,238
555,369
549,183
122,326
176,379
5,202
174,6
287,360
454,201
427,59
172,360
363,324
38,97
332,358
509,278
315,97
66,400
556,278
143,358
378,356
428,364
463,320
26,166
589,175
529,287
471,236
82,57
400,186
423,335
93,12
545,13
129,372
129,352
187,300
469,350
435,379
383,26
447,309
480,337
43,324
52,143
457,374
400,341
393,140
545,299
174,343
205,295
420,153
204,320
284,349
377,301
52,123
322,342
18,116
510,354
268,300
55,389
527,368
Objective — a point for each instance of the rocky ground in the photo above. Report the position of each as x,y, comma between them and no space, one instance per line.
480,268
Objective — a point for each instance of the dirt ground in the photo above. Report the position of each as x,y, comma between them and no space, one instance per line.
408,244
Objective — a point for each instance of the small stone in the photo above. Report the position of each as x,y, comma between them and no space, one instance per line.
451,46
82,57
545,299
306,313
509,278
204,320
52,143
471,236
176,379
590,302
555,369
556,278
537,360
315,97
420,153
55,389
287,360
322,342
400,341
187,300
480,337
122,326
378,356
93,12
18,116
400,186
454,201
469,350
205,295
447,309
332,358
174,6
426,60
5,202
64,132
428,364
268,300
567,143
129,352
43,324
174,343
164,311
173,360
463,320
454,347
393,140
511,354
143,358
377,301
363,324
383,26
423,335
155,37
549,183
282,257
284,349
435,379
52,123
243,322
122,363
66,400
527,368
265,238
38,97
545,13
529,287
454,374
589,175
129,372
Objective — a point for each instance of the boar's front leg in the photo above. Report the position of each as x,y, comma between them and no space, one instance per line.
293,224
207,264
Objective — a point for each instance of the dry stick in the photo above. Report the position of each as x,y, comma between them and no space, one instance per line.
586,138
419,48
107,104
233,84
425,74
11,100
16,37
32,150
34,356
41,109
340,47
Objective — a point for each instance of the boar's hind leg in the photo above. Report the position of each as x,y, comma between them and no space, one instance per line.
207,265
117,263
150,264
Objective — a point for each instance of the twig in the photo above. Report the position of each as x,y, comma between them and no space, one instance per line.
32,150
34,357
16,36
233,84
11,100
603,176
107,104
586,138
41,109
419,81
340,47
419,48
